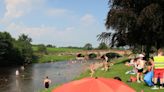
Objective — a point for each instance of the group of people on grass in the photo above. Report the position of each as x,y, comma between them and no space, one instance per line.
154,65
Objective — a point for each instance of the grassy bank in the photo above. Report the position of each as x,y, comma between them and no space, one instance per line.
118,69
54,58
54,54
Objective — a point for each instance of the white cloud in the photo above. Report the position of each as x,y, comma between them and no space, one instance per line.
57,12
88,19
18,8
41,34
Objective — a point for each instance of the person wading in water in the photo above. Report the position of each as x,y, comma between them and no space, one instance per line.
47,82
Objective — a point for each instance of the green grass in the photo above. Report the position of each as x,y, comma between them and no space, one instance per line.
55,54
62,50
57,50
119,69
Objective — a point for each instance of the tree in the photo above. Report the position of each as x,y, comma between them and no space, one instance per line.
25,48
102,46
14,52
9,54
42,48
49,45
104,37
88,46
6,47
136,23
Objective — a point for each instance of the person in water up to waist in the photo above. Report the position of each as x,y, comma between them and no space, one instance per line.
47,82
159,69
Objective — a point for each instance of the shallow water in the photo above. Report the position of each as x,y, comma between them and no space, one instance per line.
31,79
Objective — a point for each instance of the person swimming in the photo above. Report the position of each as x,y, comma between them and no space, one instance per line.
47,82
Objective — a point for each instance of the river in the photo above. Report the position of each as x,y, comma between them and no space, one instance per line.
31,79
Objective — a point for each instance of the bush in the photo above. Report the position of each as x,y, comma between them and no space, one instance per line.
102,46
42,48
92,55
112,55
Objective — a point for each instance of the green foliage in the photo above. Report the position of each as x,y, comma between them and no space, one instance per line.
6,48
136,23
112,55
51,46
13,52
104,37
102,46
88,46
92,55
42,48
24,46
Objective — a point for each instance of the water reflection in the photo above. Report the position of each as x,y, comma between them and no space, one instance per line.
31,79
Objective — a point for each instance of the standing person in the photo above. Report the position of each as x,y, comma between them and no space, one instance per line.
17,72
47,82
105,63
92,69
158,69
140,66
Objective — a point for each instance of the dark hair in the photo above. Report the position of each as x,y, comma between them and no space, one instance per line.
135,59
149,63
117,78
103,57
47,77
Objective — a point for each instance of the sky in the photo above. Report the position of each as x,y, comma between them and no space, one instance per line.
57,22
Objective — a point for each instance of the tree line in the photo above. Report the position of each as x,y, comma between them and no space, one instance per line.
15,51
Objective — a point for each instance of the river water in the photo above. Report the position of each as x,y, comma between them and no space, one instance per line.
31,79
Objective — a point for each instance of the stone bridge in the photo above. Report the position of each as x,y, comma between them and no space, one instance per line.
102,52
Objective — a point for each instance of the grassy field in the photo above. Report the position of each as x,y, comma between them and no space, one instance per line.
54,54
55,58
118,69
56,50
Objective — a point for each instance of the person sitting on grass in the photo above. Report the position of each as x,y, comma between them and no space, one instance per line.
159,69
132,63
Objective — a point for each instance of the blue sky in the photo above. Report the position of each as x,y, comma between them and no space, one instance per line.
57,22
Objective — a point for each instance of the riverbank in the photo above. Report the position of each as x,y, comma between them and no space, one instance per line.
54,54
118,69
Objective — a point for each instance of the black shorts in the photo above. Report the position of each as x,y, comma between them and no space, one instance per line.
140,70
46,85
